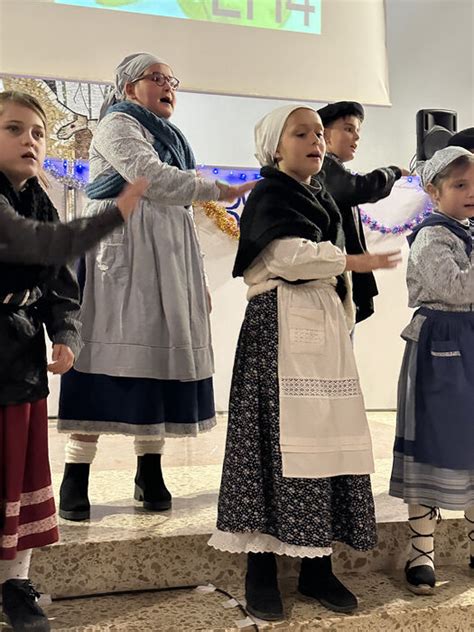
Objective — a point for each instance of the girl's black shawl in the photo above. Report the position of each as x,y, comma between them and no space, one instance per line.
280,206
33,203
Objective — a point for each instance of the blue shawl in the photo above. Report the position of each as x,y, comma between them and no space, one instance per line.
170,145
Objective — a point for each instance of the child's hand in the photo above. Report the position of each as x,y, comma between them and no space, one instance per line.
229,193
368,262
63,359
405,172
132,193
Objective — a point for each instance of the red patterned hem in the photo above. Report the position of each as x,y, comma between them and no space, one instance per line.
30,542
28,498
29,535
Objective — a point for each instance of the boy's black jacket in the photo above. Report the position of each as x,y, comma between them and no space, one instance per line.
349,190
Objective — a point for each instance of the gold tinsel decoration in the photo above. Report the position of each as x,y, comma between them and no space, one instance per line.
221,218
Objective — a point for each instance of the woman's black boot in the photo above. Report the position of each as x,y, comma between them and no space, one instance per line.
73,495
150,487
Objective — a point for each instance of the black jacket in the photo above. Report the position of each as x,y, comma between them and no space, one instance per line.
348,191
31,297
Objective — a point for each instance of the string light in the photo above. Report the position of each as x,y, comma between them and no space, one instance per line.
77,172
75,175
396,229
411,182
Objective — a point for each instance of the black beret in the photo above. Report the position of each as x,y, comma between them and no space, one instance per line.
464,138
338,110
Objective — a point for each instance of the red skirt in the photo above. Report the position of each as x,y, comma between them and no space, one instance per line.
27,510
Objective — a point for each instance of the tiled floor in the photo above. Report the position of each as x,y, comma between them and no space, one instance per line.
384,604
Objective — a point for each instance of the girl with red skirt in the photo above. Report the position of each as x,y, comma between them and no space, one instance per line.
31,297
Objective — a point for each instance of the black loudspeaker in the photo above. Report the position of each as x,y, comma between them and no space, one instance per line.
434,128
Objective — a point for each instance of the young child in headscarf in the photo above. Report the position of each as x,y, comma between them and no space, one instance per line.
298,454
145,370
433,462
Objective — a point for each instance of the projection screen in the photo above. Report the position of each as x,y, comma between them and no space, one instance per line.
314,50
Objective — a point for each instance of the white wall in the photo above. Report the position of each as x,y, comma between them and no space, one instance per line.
431,66
430,53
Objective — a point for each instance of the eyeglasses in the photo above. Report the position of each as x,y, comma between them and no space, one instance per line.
160,79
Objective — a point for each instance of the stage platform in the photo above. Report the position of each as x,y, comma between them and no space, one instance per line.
125,548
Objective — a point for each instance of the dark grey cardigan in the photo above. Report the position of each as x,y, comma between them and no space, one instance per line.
29,241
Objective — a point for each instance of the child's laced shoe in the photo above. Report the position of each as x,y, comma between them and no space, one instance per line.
20,605
419,570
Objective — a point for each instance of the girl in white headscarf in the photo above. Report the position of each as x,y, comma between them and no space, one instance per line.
298,454
433,464
146,366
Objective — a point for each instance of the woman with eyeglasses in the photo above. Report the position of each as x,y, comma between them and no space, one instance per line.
146,366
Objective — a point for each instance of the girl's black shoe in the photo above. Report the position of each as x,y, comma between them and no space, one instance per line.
421,579
261,587
20,606
319,582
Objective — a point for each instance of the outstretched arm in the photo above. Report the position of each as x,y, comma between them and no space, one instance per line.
29,242
121,140
296,258
353,189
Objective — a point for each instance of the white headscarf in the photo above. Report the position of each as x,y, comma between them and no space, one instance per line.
429,169
268,131
129,69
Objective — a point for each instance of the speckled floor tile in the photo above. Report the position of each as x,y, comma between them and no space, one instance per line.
125,547
156,562
384,604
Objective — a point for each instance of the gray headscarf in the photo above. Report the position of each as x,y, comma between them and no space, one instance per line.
129,69
268,131
429,169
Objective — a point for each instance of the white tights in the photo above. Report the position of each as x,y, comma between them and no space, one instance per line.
84,451
422,521
18,568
